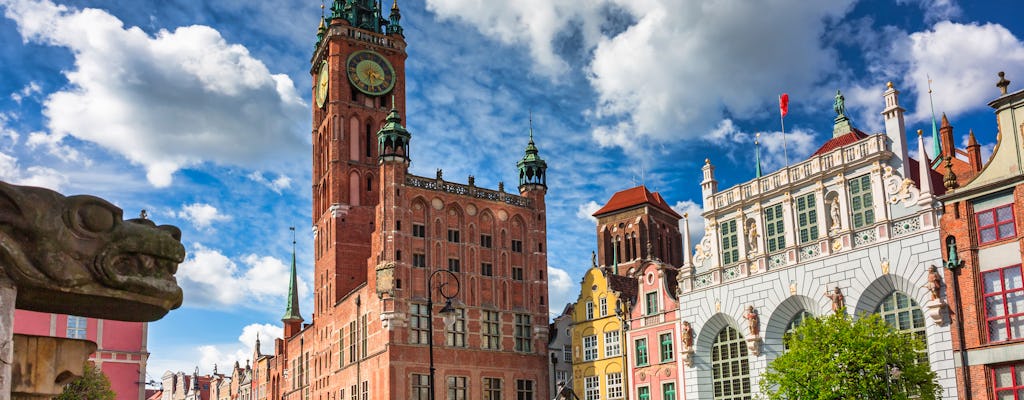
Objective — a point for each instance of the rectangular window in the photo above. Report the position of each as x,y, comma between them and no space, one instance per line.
419,260
341,347
807,218
567,353
485,241
668,391
614,384
418,322
562,377
589,306
603,306
355,392
353,337
491,330
517,246
612,346
590,348
774,228
453,264
644,393
456,335
1008,381
517,273
641,352
1004,304
362,337
996,224
486,269
523,333
76,327
730,243
651,303
420,387
592,388
456,388
524,389
861,202
453,236
419,230
492,389
666,347
366,390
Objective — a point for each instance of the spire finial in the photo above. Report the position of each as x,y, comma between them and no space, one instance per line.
757,155
531,125
1003,83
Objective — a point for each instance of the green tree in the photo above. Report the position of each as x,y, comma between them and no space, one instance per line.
839,357
92,385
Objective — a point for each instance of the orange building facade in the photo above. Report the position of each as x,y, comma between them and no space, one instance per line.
380,232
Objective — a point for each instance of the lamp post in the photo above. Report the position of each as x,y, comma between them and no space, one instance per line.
893,373
447,312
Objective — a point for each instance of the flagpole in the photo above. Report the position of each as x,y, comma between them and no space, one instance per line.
782,121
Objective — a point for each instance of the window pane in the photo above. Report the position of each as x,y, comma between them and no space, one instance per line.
997,330
992,282
985,218
987,235
1005,231
1004,214
1004,377
1017,329
1012,278
1015,303
994,306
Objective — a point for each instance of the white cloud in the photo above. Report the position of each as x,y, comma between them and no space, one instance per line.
211,279
31,89
586,211
562,290
962,61
201,215
693,212
935,10
278,184
212,95
224,356
34,175
775,148
266,333
7,132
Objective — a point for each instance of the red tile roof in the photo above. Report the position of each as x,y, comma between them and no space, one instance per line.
634,197
841,141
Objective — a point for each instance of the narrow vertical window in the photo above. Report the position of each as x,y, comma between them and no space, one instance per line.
861,202
775,229
807,218
730,243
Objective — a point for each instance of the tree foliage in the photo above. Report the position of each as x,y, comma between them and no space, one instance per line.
839,357
92,385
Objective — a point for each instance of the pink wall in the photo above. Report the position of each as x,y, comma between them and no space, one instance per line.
122,336
123,378
31,323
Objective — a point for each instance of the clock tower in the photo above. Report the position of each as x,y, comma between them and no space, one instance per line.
358,70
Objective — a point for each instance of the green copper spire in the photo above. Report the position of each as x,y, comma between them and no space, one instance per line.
291,313
757,155
532,169
396,16
936,143
393,138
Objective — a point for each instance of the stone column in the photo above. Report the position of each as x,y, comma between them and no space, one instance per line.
7,295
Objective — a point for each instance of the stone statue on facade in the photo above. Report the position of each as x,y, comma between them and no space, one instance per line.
839,105
934,283
686,331
838,300
935,307
836,215
752,237
753,321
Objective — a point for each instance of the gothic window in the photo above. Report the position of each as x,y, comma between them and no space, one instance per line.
369,184
341,347
807,218
1004,304
453,264
453,235
486,269
861,201
775,228
517,273
419,260
418,230
368,140
485,241
730,243
729,366
903,314
517,246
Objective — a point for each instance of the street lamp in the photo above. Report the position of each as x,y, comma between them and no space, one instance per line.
447,312
894,373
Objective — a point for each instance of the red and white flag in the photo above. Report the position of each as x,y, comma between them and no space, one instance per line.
784,104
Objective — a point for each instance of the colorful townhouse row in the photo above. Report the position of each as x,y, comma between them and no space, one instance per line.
933,244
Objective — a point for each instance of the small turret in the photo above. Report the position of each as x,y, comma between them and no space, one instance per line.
532,169
708,186
396,16
895,128
393,139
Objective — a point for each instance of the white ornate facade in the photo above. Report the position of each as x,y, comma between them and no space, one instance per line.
851,217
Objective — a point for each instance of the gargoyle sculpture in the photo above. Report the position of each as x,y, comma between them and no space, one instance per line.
76,255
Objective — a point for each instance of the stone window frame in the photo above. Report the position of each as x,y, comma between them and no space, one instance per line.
491,388
862,203
1002,295
588,308
727,351
774,228
603,306
651,303
523,333
906,317
457,387
419,316
490,330
643,392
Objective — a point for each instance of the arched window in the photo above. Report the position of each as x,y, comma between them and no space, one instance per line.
369,140
797,320
903,314
729,366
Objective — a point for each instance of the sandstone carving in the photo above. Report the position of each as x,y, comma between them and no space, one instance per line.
76,255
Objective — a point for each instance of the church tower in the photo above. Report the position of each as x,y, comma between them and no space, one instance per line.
358,70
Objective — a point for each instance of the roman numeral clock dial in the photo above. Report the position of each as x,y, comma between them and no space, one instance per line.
370,73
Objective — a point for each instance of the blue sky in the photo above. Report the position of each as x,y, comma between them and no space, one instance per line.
199,113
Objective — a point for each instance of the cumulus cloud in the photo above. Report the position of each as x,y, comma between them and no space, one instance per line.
212,95
776,149
201,215
211,279
962,61
225,356
34,175
693,212
278,184
562,290
586,211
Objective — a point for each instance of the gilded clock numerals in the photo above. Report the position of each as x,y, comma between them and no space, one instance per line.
370,73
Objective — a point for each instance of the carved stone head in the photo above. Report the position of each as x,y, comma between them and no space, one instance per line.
77,255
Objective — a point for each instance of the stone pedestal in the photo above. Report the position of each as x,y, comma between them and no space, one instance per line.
43,365
754,344
934,309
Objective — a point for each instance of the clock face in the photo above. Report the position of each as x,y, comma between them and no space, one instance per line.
321,85
370,72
